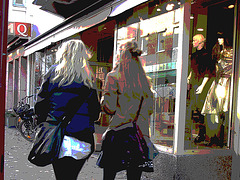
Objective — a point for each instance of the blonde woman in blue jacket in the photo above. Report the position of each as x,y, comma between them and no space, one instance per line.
71,78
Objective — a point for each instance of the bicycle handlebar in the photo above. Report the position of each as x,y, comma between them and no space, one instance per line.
27,97
21,102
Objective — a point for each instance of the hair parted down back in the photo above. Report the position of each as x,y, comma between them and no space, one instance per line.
130,71
72,58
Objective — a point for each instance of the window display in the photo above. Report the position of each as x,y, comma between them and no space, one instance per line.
210,72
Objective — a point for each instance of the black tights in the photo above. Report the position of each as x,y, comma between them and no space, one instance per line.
132,174
67,168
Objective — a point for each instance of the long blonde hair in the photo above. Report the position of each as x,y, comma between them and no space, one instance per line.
72,58
130,71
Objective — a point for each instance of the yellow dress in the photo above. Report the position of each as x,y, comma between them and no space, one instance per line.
217,100
216,104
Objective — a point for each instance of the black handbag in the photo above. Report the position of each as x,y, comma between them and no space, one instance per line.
47,143
144,141
49,137
127,147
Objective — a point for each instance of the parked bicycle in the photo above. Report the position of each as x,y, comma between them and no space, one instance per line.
26,120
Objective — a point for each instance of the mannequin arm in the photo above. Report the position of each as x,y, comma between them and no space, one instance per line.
200,88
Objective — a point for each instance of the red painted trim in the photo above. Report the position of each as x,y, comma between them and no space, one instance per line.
3,59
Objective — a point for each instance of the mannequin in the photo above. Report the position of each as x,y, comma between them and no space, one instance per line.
216,105
201,67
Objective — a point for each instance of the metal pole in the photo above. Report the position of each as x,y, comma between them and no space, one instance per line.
3,59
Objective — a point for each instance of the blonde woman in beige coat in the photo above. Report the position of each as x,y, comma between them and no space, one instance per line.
127,97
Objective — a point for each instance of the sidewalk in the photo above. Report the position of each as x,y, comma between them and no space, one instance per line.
17,167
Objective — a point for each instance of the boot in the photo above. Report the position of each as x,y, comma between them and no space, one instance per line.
202,134
214,140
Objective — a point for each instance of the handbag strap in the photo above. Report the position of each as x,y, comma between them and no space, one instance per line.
138,112
139,132
77,102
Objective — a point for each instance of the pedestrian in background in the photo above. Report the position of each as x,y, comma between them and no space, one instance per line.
71,78
127,98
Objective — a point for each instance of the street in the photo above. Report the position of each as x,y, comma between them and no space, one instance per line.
17,167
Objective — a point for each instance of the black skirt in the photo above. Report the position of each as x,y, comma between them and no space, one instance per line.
124,149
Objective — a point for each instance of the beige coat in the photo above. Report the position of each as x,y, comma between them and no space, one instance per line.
124,106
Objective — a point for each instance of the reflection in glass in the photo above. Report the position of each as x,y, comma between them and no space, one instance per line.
125,34
144,45
161,42
157,37
159,45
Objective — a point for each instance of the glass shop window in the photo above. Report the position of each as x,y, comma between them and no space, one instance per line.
10,86
38,69
144,46
156,31
160,45
105,54
209,76
125,34
43,62
101,71
160,66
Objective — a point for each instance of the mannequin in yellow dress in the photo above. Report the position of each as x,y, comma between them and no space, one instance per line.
216,105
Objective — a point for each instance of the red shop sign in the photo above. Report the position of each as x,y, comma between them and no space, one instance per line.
19,29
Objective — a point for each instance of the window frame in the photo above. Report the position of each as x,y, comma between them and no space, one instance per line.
15,4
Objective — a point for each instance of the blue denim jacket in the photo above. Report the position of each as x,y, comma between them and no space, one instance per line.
58,101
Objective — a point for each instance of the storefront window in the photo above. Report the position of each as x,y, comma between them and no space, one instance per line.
10,86
157,36
160,45
159,61
101,70
210,72
38,69
42,64
125,34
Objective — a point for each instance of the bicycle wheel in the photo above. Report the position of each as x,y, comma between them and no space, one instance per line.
27,130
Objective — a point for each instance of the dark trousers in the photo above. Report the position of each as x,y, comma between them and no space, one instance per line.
67,168
132,174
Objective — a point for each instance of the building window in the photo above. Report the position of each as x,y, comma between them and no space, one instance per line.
144,45
125,34
175,44
161,45
19,3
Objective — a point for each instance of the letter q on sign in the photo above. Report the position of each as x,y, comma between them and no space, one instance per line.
23,29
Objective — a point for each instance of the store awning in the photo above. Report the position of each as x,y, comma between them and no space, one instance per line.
71,27
67,8
124,6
